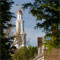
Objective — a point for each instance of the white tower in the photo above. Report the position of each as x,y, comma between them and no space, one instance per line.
20,36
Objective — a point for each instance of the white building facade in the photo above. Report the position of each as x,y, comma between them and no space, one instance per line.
20,36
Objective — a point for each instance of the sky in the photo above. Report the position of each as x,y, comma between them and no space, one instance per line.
29,23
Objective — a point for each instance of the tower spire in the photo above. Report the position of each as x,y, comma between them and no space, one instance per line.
19,11
19,14
20,38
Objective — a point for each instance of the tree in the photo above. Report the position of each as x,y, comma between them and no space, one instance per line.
32,51
25,53
21,54
47,14
5,17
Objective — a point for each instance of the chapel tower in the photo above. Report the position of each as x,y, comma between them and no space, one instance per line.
20,36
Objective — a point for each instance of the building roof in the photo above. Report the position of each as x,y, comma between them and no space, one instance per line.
39,56
19,11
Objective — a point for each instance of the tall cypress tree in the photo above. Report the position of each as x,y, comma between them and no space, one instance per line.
5,17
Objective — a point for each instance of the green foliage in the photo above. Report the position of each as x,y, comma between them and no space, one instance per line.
21,54
32,51
53,40
47,14
5,17
25,53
